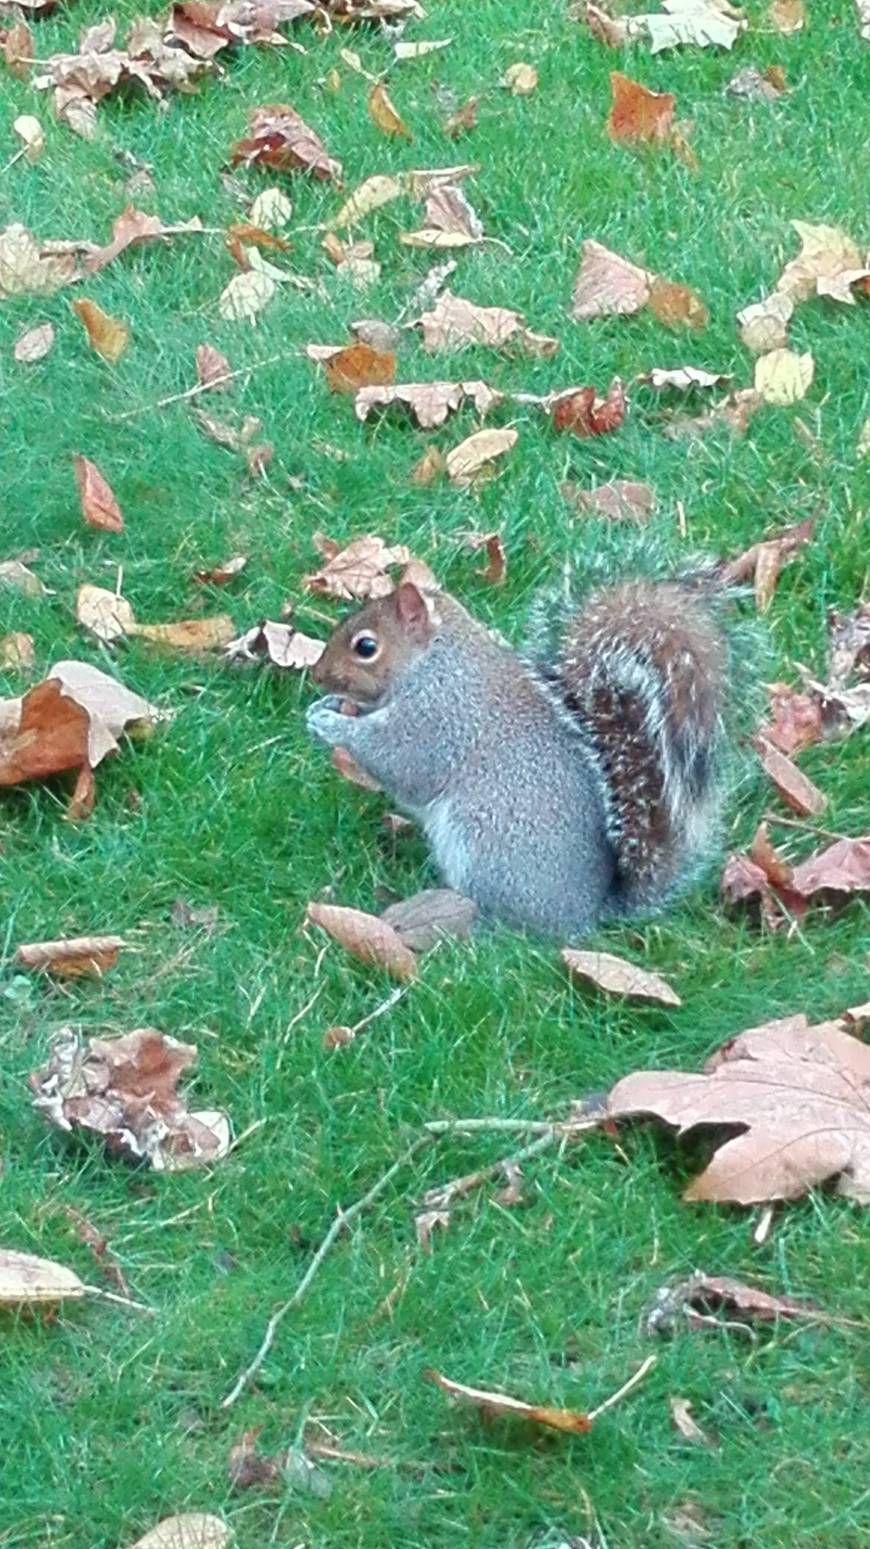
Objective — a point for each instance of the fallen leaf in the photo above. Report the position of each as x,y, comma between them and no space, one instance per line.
73,957
246,1466
450,221
786,15
619,977
245,296
26,1280
383,113
379,189
863,8
109,336
797,1091
454,322
242,236
74,717
464,119
495,569
581,411
636,113
826,252
796,790
734,412
212,368
763,561
204,634
419,50
33,344
681,1414
703,23
467,460
490,1403
278,137
692,1302
783,377
281,644
106,614
358,570
27,268
132,227
520,79
219,575
848,645
436,914
358,365
429,403
381,336
758,85
190,1530
13,573
606,284
429,468
98,1245
842,868
764,325
684,378
17,653
98,503
18,49
618,499
796,719
29,130
425,1223
675,304
366,936
125,1089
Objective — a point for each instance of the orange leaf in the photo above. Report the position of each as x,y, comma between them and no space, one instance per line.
638,114
107,335
674,304
99,506
359,366
383,113
366,936
501,1404
79,955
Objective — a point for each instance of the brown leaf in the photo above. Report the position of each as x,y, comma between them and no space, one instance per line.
125,1089
98,503
619,499
675,305
580,410
26,1280
425,1223
366,937
429,403
246,1466
109,336
241,236
450,221
219,575
495,569
430,467
848,645
358,365
205,634
74,717
763,561
454,322
827,252
27,268
796,719
383,113
131,228
281,644
759,85
638,114
84,794
520,79
695,1300
796,790
17,653
619,977
786,15
764,325
19,49
467,461
278,137
189,1530
346,766
844,867
606,284
490,1403
212,367
434,915
681,1414
73,957
799,1094
464,119
358,570
735,412
33,344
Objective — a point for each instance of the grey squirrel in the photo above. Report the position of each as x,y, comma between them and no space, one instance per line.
553,793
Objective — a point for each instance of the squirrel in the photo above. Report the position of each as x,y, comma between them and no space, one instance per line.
554,793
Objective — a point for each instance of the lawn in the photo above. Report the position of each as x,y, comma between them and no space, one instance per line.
111,1419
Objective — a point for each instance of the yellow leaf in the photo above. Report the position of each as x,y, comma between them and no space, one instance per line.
107,335
782,376
383,113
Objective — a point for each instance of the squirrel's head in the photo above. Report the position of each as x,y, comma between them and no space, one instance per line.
367,650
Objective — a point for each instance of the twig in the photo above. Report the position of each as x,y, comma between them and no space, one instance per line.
342,1220
626,1388
550,1127
441,1196
122,1301
379,1010
199,387
806,828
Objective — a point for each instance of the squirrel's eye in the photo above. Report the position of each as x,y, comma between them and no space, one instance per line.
366,647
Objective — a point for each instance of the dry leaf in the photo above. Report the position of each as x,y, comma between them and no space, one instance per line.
420,50
425,1223
434,915
763,561
109,336
638,114
734,412
842,868
247,1467
73,957
796,790
463,119
358,365
450,221
212,367
98,503
490,1403
675,304
281,644
33,344
684,378
796,719
132,227
125,1089
826,252
27,268
617,500
520,79
783,377
13,573
17,653
106,614
758,85
618,977
799,1094
278,137
681,1414
383,114
271,209
206,634
454,322
764,325
495,569
430,467
26,1280
699,22
190,1530
18,49
581,411
606,284
245,296
219,575
366,937
786,15
467,460
691,1302
378,190
74,717
429,403
358,570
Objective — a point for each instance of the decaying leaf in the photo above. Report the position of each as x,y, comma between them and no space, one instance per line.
520,79
125,1089
347,367
33,344
27,1281
463,119
17,651
763,561
471,457
74,717
246,295
30,131
430,467
699,1301
131,228
278,137
109,336
28,267
795,718
247,1467
582,412
454,322
98,503
796,790
434,915
619,977
212,368
281,644
606,284
798,1093
734,412
204,634
495,569
13,573
619,499
428,403
764,324
501,1404
190,1530
450,221
358,570
638,114
383,113
238,435
18,49
106,614
827,255
675,305
220,574
703,23
426,1222
783,377
71,958
841,869
366,936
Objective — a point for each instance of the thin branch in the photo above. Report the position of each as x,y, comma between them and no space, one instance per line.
122,1301
199,387
441,1196
626,1388
805,828
342,1220
567,1127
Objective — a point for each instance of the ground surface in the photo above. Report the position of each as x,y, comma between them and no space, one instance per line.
111,1420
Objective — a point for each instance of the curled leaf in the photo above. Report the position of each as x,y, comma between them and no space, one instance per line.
366,936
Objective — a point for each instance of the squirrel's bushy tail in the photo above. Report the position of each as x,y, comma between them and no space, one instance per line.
644,666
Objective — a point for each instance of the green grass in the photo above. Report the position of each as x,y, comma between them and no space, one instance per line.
110,1420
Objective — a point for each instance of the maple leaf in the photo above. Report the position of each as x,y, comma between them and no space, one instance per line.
279,137
799,1094
827,255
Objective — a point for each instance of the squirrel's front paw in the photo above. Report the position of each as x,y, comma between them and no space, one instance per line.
324,720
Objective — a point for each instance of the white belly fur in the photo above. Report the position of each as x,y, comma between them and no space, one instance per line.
447,843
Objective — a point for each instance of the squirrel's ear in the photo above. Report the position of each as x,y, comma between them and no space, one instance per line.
412,610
